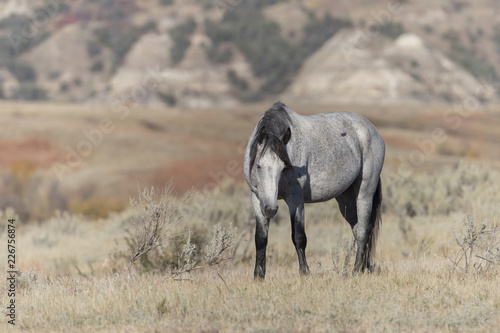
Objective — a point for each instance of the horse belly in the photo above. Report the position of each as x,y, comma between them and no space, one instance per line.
329,179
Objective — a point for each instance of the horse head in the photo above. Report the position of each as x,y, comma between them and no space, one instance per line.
268,167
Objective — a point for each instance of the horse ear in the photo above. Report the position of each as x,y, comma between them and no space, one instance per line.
286,136
261,135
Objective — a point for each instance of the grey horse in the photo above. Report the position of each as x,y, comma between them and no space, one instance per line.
307,159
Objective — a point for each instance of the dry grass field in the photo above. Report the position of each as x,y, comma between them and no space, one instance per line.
74,265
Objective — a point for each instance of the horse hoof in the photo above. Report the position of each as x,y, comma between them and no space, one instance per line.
259,274
304,271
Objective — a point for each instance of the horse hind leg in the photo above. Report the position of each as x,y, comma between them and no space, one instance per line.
365,231
356,210
362,231
348,208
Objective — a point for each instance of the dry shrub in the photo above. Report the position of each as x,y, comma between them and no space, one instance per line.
224,238
343,258
466,187
153,243
228,201
479,247
153,222
187,259
33,193
443,192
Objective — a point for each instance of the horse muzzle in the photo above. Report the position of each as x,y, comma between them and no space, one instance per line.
269,210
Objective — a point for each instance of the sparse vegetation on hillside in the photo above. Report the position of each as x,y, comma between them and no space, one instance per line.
167,98
29,91
271,56
120,37
20,69
218,55
180,36
97,66
468,58
236,81
318,30
12,45
93,48
165,2
17,27
392,29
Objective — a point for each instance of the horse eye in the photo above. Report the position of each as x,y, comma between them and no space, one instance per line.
258,167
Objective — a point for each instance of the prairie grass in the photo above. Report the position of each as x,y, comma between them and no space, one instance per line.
407,295
74,271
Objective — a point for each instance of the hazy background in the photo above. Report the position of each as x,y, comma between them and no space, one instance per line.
98,97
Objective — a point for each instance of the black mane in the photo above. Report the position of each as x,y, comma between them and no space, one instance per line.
270,131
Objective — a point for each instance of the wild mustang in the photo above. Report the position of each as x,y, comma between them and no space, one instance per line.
307,159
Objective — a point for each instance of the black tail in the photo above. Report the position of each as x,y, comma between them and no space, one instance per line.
375,222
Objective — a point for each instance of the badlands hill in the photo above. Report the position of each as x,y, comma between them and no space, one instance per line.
194,53
401,70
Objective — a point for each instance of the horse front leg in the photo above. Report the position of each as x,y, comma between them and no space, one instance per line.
299,238
261,234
